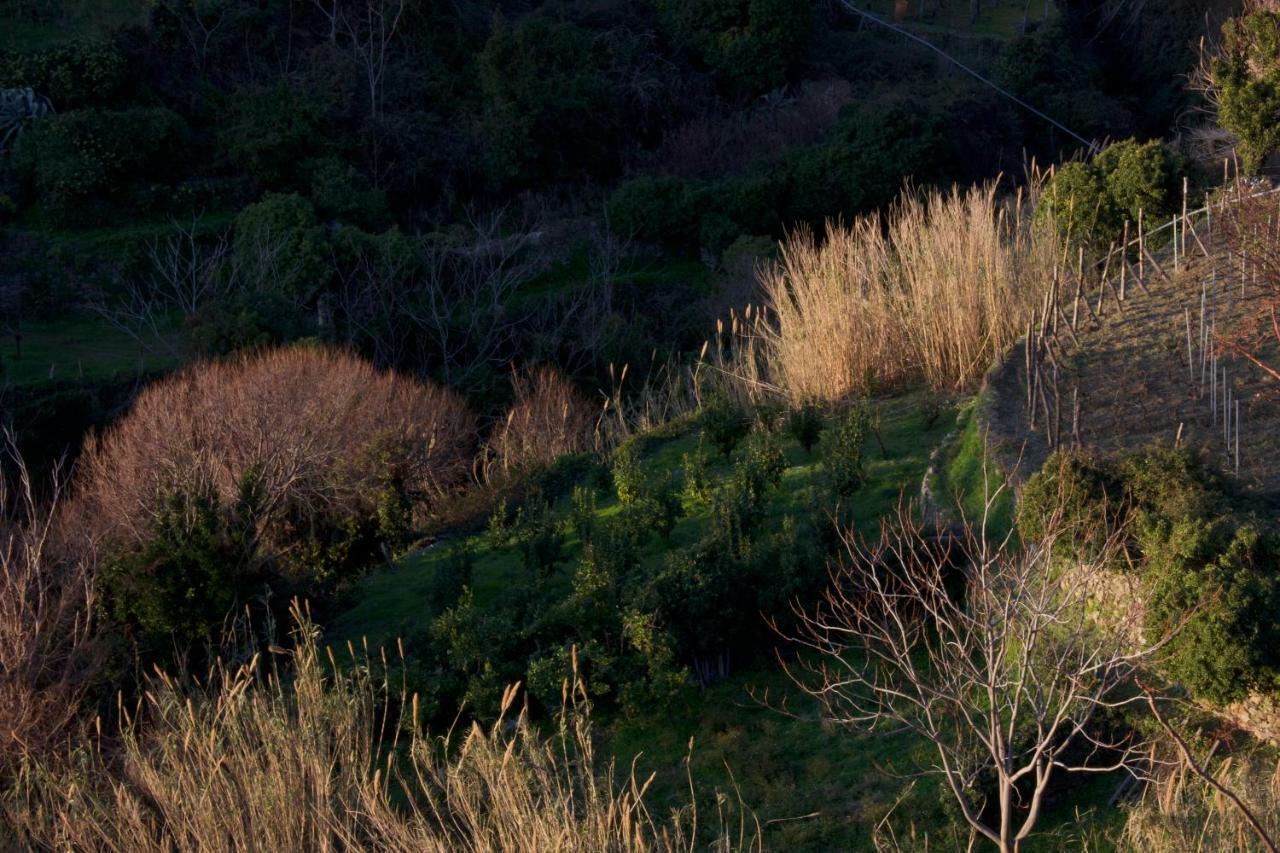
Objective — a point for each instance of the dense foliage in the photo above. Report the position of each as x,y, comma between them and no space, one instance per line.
641,615
1206,562
1091,201
1245,76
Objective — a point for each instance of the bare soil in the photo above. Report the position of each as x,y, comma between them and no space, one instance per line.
1130,369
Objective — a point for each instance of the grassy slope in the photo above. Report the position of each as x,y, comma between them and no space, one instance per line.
812,787
77,348
385,604
967,475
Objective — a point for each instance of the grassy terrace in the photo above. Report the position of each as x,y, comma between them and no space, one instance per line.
385,604
80,348
813,787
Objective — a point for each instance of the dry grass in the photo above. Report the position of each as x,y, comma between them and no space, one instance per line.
49,651
549,418
328,758
1180,812
319,427
933,292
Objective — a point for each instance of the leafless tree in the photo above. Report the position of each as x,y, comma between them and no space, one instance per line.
1003,678
185,274
371,27
200,22
465,295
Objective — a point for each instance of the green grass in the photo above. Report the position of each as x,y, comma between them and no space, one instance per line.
968,475
75,349
72,19
388,602
815,786
811,785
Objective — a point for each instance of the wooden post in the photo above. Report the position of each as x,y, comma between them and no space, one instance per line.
1102,282
1142,247
1075,419
1237,437
1173,224
1124,260
1186,186
1191,369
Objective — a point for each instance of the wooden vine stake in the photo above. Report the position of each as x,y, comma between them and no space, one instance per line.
1124,260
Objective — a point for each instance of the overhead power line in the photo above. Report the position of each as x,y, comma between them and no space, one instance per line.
870,16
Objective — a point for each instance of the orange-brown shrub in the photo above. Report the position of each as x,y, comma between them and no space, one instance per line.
548,419
321,428
49,653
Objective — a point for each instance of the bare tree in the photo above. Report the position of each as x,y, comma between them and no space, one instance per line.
186,274
1004,678
371,29
461,302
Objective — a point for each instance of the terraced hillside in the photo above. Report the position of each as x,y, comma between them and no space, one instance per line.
1156,366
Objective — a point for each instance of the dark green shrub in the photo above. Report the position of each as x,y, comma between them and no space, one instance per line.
805,423
271,135
697,472
722,422
539,539
760,467
1246,78
538,79
749,44
842,452
72,75
279,248
83,162
341,192
193,570
1207,568
582,514
663,677
661,506
628,473
1141,176
1076,203
1090,202
1214,584
1077,493
661,210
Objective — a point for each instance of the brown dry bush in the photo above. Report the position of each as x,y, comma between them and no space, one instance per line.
49,649
548,419
934,292
320,427
332,758
1180,812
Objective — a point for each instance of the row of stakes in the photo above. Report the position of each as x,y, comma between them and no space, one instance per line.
1043,354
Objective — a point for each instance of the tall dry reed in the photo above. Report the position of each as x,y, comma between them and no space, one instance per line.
314,756
548,419
934,291
1179,812
49,646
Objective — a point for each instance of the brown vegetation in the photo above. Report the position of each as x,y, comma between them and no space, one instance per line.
1180,812
318,426
333,758
549,418
936,292
49,651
